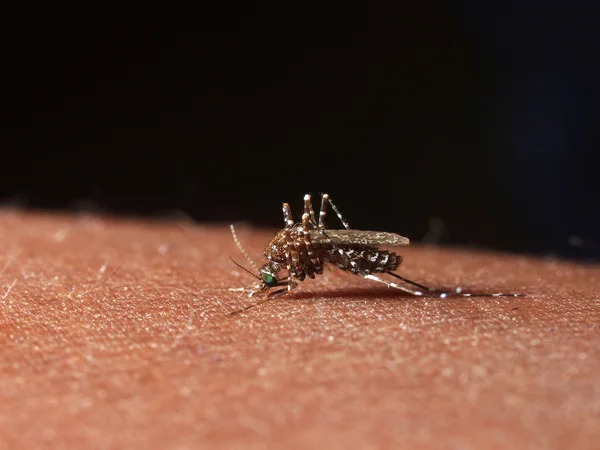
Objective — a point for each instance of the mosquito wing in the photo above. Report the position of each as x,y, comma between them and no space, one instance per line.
358,237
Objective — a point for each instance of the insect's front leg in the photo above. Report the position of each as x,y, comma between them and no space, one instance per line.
256,289
268,296
251,290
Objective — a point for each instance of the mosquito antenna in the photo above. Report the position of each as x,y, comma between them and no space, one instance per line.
239,245
243,268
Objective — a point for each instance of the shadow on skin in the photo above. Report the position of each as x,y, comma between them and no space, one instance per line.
384,292
375,293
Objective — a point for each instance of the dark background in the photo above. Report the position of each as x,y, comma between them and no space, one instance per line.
455,122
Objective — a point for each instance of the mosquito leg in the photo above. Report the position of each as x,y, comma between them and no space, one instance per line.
289,258
323,211
308,209
337,211
251,290
355,268
414,283
457,292
287,216
396,285
260,302
297,247
318,267
321,231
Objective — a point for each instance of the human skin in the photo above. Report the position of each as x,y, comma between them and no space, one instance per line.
116,334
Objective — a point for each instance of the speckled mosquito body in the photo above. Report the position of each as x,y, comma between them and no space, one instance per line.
302,249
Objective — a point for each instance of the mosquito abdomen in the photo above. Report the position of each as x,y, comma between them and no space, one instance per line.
363,260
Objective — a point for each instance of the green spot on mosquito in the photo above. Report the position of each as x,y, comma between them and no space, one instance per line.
268,279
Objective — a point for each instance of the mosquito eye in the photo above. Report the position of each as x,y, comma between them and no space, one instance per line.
268,279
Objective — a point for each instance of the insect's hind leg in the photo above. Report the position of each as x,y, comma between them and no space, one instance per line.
414,283
323,212
439,294
396,285
321,228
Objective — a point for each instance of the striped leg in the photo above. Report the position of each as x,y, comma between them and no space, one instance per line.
309,222
288,258
265,299
287,216
308,209
321,227
433,292
323,213
355,268
308,245
396,285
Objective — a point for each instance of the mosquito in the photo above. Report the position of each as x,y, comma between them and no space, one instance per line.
302,249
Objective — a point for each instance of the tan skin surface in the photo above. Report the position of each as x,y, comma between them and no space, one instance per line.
148,357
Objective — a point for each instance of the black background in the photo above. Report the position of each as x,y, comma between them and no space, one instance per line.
480,118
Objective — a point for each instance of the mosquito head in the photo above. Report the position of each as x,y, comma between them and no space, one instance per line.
268,276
